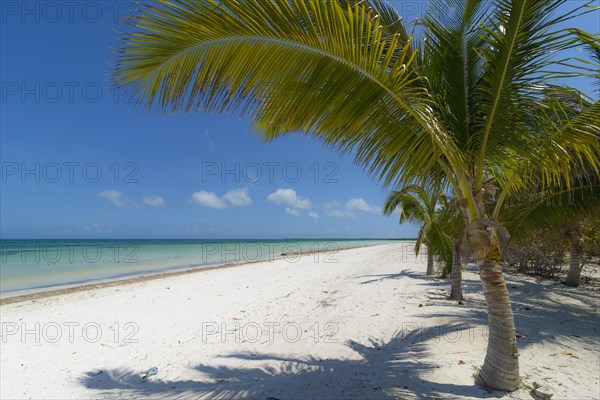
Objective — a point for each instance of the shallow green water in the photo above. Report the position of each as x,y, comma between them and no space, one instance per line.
27,265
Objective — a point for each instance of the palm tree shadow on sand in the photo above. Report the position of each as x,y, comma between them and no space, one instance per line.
540,316
374,278
395,369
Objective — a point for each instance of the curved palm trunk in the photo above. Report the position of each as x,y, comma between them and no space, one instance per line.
430,270
456,291
500,369
573,233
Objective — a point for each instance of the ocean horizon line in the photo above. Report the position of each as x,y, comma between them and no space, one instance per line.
214,239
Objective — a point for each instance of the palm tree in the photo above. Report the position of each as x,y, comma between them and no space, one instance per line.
572,233
456,292
563,207
468,99
417,206
561,210
452,224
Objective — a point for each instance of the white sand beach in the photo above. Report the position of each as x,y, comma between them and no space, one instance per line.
363,323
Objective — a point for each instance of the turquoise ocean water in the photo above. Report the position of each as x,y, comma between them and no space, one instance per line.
33,265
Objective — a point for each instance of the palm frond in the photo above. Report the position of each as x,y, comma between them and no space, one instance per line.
314,67
533,212
452,65
389,19
521,46
411,201
476,103
449,226
420,206
442,248
590,42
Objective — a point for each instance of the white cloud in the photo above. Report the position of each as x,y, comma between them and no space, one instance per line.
117,198
289,198
336,209
208,199
293,211
313,215
361,205
238,197
154,201
114,196
233,198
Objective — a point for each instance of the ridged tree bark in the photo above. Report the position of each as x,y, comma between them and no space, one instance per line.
500,368
573,235
456,291
430,269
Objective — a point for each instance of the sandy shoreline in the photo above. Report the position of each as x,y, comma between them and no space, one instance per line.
367,325
118,281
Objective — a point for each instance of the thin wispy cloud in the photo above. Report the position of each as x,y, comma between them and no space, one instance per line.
211,146
96,229
335,209
118,199
293,211
154,201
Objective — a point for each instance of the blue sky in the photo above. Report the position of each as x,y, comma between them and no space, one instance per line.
78,161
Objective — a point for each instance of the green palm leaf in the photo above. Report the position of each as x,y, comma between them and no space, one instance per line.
591,42
468,105
520,49
416,205
295,66
531,214
452,64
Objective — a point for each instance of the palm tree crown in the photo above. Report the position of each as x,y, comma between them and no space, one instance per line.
418,206
471,99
